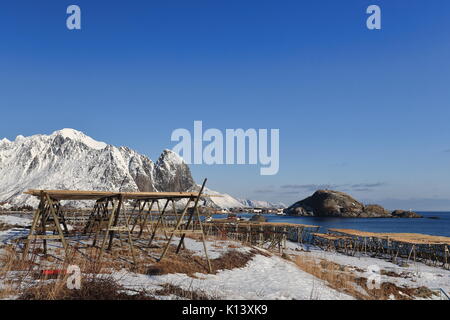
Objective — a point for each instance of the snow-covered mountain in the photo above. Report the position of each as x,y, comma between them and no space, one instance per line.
224,201
261,204
69,159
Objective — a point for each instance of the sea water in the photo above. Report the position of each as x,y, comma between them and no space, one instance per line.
432,223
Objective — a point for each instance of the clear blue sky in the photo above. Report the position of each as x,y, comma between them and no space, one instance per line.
362,111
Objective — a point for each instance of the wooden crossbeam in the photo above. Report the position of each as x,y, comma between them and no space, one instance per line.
171,230
99,195
42,237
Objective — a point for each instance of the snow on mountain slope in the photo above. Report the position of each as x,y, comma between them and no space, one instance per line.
225,201
69,159
81,137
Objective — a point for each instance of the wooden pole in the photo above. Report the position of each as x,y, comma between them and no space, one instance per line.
192,214
158,222
110,223
144,223
58,226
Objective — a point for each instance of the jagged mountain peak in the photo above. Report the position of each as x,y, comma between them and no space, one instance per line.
172,172
171,157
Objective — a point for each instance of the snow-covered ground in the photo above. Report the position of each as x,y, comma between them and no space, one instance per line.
15,220
17,231
264,278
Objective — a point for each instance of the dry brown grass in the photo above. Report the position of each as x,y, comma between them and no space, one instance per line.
388,290
22,274
91,289
330,272
107,289
187,263
17,274
343,280
13,271
10,260
170,289
412,238
8,290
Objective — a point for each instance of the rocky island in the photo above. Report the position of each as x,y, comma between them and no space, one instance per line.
329,203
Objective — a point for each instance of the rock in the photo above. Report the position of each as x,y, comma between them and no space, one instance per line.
300,211
375,211
258,218
405,214
329,203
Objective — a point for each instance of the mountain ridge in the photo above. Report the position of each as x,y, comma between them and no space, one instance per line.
69,159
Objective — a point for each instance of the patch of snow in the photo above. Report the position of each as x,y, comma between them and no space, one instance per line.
5,206
8,235
80,137
224,200
15,221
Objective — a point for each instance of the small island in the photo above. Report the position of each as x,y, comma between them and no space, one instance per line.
329,203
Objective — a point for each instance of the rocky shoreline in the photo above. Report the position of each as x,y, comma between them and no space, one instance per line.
329,203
